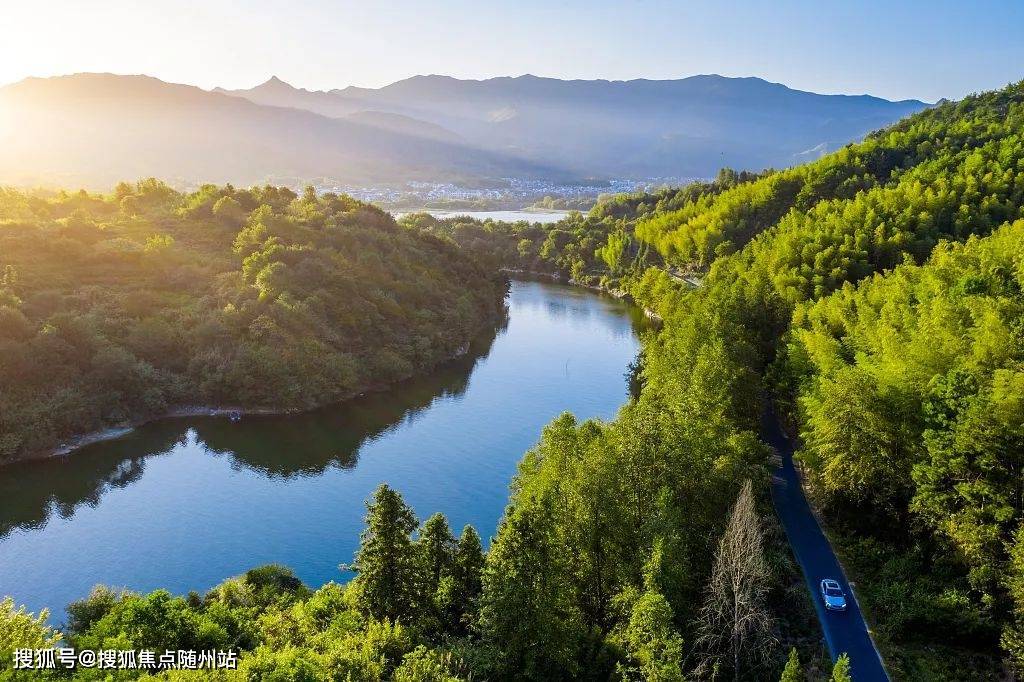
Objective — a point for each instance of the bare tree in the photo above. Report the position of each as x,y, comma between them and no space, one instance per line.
735,626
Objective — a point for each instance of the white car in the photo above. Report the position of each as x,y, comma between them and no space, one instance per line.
833,596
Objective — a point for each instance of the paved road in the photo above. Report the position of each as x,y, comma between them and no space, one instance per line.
844,632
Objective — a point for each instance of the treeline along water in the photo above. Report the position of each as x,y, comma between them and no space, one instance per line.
183,503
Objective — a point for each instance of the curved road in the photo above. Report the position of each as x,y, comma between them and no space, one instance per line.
845,632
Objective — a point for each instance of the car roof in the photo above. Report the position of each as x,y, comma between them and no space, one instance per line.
829,582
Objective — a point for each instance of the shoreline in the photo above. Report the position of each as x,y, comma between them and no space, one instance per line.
79,441
114,432
562,279
442,213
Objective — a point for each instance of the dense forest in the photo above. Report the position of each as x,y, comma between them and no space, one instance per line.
121,307
910,397
840,289
875,295
925,499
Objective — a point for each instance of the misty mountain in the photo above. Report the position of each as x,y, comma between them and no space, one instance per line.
639,128
96,129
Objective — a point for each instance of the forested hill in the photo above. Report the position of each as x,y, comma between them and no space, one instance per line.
947,171
906,390
910,401
120,307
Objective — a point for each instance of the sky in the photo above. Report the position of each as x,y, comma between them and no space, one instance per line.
898,49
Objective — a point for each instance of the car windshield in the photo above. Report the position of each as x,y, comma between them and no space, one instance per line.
833,591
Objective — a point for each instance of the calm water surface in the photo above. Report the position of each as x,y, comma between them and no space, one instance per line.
186,503
539,216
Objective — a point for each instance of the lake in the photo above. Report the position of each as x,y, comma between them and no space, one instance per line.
538,216
185,503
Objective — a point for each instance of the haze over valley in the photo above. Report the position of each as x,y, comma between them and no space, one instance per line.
635,129
548,135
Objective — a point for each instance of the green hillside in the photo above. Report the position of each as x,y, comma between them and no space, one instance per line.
777,255
121,307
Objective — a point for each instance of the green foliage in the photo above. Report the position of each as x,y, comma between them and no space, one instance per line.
614,251
425,665
392,578
856,439
458,591
1013,636
436,545
793,672
83,614
841,670
600,510
653,647
229,211
597,247
21,630
949,170
282,629
909,393
154,621
121,308
525,610
905,388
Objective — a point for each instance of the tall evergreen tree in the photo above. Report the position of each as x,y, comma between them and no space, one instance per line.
436,552
525,610
469,563
436,546
388,568
458,592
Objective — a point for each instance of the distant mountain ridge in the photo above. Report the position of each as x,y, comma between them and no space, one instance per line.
638,128
96,129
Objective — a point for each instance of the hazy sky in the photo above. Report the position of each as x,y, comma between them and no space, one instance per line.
923,49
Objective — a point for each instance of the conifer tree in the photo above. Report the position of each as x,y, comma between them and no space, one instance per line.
389,572
525,609
458,591
436,545
469,563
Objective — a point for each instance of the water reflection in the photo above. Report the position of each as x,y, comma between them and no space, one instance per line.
182,504
276,446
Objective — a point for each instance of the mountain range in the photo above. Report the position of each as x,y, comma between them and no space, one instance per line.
638,128
96,129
